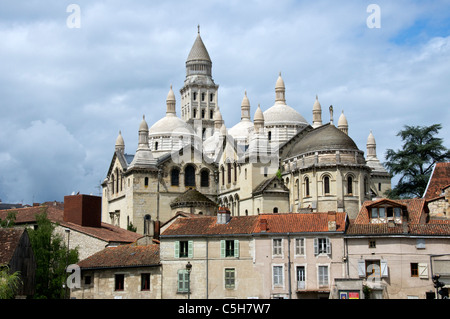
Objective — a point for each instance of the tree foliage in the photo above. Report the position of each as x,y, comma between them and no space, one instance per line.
9,221
9,283
52,258
414,162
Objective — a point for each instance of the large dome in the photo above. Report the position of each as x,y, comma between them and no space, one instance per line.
324,138
170,124
282,114
241,129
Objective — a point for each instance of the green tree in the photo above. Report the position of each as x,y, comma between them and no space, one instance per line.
9,220
414,162
52,259
9,283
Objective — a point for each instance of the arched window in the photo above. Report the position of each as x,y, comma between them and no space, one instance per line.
146,181
189,176
326,185
235,171
349,185
229,173
306,186
147,221
112,183
175,177
195,113
204,178
269,136
223,175
156,146
275,210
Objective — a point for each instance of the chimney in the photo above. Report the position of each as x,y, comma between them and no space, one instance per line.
83,210
331,221
263,225
223,215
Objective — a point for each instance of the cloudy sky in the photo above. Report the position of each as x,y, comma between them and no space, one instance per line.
66,91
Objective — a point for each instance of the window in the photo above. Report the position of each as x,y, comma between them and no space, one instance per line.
203,96
235,171
145,282
323,276
275,210
147,224
326,185
175,177
119,282
183,281
211,98
194,95
211,114
230,278
300,246
349,185
87,280
146,182
414,270
306,186
322,246
184,249
189,176
301,277
372,268
229,248
195,113
278,275
204,178
156,146
269,136
372,243
203,114
277,247
223,175
228,173
420,243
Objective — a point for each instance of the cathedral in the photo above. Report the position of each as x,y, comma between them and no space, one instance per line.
275,163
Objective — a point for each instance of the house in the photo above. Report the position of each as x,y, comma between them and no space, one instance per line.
17,254
124,272
437,192
283,255
78,222
392,250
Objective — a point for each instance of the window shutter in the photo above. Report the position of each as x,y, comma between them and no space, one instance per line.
222,248
177,249
316,246
328,246
361,268
236,248
423,270
384,268
190,248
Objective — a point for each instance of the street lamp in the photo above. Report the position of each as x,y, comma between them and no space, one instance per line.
188,269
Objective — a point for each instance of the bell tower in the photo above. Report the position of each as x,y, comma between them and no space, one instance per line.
199,93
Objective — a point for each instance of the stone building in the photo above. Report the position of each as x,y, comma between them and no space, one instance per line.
277,162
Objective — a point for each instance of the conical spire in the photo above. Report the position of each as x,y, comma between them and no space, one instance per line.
245,107
371,146
198,50
170,102
120,144
317,113
143,157
280,90
258,119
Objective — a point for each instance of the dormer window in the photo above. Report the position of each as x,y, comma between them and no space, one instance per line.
386,212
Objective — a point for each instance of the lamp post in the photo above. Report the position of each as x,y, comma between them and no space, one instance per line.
67,230
188,269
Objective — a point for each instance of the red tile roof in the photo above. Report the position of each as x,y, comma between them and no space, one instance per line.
415,208
245,225
123,256
9,240
106,232
438,180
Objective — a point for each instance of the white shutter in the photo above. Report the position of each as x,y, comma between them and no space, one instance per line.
177,249
316,246
361,268
222,248
328,246
423,270
190,249
384,268
236,248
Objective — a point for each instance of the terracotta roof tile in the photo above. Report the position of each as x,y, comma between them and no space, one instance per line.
123,256
245,225
439,179
9,239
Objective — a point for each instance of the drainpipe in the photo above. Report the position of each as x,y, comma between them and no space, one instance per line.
207,262
289,265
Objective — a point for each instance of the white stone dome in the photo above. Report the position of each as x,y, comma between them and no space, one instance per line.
282,114
170,124
241,129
